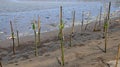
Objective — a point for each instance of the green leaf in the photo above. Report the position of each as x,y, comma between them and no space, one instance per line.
105,24
33,26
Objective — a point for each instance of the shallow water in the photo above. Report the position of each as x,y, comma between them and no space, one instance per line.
49,17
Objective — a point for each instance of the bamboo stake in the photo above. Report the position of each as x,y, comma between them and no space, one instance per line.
95,26
73,22
82,22
108,17
100,16
12,34
72,31
34,28
87,22
61,36
39,28
118,55
106,28
1,64
18,38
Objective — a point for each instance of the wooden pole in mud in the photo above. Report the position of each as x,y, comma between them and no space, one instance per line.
106,33
95,26
13,38
34,28
108,17
73,22
87,22
100,16
18,38
39,28
82,22
1,64
118,55
72,31
61,36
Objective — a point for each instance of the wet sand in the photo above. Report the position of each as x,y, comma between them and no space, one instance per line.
87,49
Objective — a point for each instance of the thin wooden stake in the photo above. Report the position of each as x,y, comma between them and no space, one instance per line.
18,38
100,16
72,31
106,33
95,26
73,22
118,55
1,64
61,36
39,28
12,34
35,35
87,22
108,17
82,22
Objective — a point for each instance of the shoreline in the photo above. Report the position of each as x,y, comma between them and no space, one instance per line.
50,34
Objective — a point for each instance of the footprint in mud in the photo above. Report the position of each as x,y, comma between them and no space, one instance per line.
25,57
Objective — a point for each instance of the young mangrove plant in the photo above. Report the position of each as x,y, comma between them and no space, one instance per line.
35,36
118,55
13,38
61,27
106,26
72,31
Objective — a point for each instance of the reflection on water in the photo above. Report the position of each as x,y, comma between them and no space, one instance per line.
49,17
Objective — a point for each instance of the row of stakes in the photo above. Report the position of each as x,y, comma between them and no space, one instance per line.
61,34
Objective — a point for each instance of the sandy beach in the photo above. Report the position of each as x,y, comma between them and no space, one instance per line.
87,49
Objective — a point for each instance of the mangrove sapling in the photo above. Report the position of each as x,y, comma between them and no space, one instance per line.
61,27
118,55
106,26
13,38
39,28
72,31
34,29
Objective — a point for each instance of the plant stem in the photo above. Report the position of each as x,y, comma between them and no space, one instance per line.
12,34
